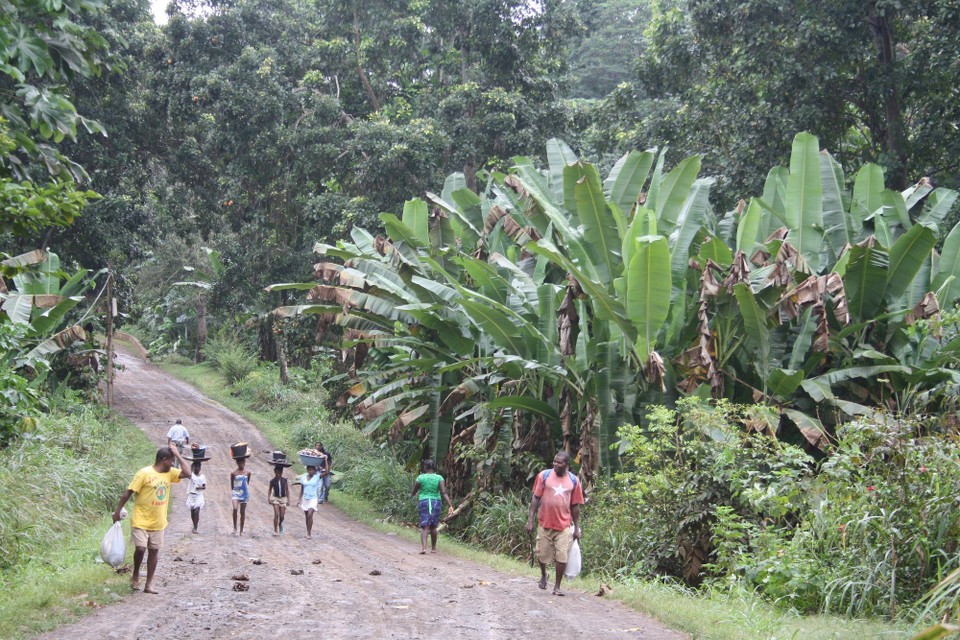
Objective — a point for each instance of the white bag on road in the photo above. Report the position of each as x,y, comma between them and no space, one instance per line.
113,549
572,569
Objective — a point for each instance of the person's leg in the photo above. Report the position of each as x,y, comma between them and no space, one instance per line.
243,515
236,506
423,540
433,538
152,556
137,561
309,523
276,519
543,576
556,585
283,512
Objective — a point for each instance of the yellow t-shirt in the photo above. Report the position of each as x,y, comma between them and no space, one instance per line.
153,494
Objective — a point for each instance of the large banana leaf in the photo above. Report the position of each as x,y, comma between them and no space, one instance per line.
501,327
690,223
907,255
528,404
937,206
839,228
804,203
559,155
867,190
757,332
599,226
648,288
749,227
673,193
626,179
865,280
948,266
416,217
774,201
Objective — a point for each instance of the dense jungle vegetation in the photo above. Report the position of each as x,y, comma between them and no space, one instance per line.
710,248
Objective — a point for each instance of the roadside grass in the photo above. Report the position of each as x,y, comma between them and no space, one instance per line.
727,614
52,573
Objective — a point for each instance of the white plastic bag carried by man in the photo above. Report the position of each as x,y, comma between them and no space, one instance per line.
572,569
113,548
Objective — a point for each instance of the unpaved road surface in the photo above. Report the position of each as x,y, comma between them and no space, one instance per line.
366,585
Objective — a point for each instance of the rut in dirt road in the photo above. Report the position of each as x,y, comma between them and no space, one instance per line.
348,582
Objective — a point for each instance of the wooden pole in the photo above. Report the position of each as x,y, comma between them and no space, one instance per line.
110,314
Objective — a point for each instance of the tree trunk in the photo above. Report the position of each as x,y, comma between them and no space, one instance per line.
371,94
893,134
201,327
282,358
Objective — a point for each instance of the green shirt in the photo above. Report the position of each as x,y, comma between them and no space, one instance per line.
429,486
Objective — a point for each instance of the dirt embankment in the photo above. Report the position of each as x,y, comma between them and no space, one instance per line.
347,582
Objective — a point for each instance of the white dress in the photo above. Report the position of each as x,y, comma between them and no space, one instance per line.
194,495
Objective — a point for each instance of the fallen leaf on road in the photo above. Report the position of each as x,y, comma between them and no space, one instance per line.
604,589
240,576
241,586
318,562
195,561
124,568
399,606
467,586
178,559
296,572
91,603
484,583
257,561
375,572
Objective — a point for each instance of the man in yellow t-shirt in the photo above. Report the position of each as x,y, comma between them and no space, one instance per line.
152,488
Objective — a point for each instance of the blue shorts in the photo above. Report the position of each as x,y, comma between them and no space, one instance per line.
429,512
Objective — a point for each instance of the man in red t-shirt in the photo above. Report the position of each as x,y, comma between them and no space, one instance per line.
557,495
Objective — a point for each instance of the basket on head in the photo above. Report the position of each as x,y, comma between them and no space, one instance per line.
198,453
310,461
239,450
279,459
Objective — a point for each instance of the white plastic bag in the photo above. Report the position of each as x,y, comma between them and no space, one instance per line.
113,549
572,569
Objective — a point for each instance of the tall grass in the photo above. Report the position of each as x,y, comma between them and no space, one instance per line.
59,485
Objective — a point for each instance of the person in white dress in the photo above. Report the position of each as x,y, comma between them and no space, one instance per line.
195,489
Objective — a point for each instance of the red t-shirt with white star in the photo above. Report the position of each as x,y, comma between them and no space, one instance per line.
556,495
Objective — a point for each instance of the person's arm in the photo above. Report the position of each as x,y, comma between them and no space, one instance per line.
184,467
201,483
575,515
187,439
123,500
270,491
416,489
326,468
534,508
443,492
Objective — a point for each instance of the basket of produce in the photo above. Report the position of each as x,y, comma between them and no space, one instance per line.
239,450
310,457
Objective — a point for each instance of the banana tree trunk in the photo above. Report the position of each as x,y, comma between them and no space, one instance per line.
201,327
282,358
589,450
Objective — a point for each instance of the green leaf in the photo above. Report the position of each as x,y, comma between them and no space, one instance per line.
599,226
937,206
804,203
865,280
906,257
839,228
755,324
559,155
526,403
815,386
673,193
28,52
691,220
867,190
648,285
626,179
416,217
948,266
749,227
783,382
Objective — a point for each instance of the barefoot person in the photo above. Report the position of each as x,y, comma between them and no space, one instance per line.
326,473
557,496
240,483
309,492
196,486
429,485
278,492
151,485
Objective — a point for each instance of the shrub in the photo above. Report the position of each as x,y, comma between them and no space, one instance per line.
231,357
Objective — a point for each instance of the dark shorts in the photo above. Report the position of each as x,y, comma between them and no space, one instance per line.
430,511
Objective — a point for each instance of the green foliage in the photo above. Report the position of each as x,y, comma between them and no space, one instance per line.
55,479
226,353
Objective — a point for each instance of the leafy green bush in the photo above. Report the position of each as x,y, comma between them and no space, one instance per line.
498,524
230,356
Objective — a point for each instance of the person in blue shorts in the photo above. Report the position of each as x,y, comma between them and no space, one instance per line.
429,487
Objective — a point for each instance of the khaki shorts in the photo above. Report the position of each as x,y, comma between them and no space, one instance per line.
281,502
146,539
553,545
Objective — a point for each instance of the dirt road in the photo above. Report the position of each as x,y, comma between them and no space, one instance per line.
355,582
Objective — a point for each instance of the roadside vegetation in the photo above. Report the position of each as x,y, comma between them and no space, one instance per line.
373,485
60,485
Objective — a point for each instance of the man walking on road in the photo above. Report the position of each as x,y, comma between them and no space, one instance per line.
152,488
178,436
557,497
